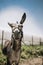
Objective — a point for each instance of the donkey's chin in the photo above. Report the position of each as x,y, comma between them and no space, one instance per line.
17,38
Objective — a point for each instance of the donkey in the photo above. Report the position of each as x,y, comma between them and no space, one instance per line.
12,48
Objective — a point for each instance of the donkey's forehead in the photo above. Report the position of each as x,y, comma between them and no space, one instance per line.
16,25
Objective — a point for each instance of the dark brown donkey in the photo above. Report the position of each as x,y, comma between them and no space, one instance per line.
12,49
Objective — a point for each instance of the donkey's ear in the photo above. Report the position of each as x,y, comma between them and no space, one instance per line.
23,18
10,25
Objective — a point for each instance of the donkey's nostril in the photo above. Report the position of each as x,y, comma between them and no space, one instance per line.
16,33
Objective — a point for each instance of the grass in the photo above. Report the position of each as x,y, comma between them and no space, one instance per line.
26,52
31,51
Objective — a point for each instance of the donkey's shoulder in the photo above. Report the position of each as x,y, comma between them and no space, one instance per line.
7,42
6,47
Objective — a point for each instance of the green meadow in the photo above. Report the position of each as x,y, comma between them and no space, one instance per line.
26,53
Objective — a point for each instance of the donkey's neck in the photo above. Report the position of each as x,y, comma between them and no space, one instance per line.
16,44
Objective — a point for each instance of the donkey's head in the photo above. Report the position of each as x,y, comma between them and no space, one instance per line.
17,28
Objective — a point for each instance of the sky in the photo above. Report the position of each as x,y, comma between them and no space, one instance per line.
12,11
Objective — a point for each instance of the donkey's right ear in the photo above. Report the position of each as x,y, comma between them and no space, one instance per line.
10,25
23,18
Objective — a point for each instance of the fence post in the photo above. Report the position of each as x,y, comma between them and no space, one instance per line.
2,39
40,41
32,40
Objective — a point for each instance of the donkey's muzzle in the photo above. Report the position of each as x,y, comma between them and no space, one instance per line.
16,34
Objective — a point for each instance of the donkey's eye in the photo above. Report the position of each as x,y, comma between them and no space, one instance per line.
19,32
12,31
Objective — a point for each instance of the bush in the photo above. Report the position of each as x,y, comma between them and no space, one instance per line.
32,51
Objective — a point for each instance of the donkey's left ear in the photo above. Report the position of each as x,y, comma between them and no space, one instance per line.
23,18
10,25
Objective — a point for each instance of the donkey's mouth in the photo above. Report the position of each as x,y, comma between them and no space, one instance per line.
17,38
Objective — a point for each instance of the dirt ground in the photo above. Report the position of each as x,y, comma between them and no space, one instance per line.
34,61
